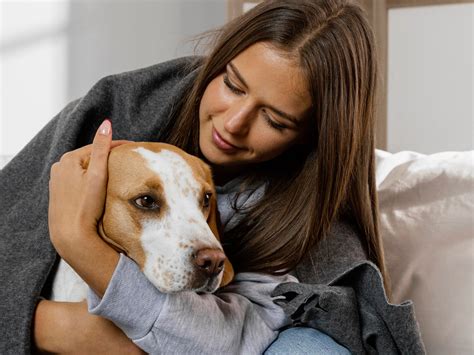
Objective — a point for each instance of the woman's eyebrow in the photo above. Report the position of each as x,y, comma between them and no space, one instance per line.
289,117
238,75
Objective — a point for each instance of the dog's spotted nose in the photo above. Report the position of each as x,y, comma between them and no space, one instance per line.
210,261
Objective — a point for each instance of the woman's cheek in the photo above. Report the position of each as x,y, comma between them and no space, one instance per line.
222,96
215,100
268,144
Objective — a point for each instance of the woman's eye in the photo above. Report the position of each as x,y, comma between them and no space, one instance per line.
272,123
207,199
147,202
231,86
236,91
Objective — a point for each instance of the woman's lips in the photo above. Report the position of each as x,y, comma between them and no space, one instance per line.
221,143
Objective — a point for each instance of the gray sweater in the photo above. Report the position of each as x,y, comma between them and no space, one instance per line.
340,293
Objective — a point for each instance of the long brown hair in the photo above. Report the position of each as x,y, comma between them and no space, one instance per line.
309,187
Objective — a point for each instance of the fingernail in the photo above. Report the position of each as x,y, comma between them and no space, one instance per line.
105,128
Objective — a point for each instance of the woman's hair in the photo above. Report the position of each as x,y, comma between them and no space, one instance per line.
333,177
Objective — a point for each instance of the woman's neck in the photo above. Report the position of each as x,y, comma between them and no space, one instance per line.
223,174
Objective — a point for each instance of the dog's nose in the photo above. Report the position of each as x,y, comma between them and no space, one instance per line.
211,261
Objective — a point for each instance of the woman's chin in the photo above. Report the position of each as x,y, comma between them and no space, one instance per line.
216,158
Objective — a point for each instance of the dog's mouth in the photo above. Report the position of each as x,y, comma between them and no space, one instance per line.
117,247
210,285
168,280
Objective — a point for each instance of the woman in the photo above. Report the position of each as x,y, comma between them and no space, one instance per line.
282,107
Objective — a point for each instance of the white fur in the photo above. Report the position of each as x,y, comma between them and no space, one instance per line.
68,285
168,266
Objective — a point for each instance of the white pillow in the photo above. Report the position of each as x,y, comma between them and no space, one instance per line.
426,222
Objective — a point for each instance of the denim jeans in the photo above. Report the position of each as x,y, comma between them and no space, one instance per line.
299,341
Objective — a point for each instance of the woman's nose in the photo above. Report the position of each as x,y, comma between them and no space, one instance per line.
238,120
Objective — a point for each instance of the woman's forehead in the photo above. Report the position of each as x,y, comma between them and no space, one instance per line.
273,78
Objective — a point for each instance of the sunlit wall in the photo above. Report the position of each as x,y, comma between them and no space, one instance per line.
430,78
52,52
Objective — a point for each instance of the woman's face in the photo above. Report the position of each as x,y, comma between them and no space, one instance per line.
255,110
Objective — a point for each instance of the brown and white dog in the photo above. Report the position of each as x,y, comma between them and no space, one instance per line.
161,211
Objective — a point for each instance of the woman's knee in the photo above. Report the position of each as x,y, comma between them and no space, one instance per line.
301,340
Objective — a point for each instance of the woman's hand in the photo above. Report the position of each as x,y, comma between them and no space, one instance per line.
77,189
68,328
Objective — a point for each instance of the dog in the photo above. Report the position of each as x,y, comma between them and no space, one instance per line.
161,211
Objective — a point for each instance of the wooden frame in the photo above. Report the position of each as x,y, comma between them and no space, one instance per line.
409,3
235,7
377,11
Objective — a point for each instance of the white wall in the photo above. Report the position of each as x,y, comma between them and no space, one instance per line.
430,78
52,52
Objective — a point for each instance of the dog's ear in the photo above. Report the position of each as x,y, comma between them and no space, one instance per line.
214,224
228,273
214,219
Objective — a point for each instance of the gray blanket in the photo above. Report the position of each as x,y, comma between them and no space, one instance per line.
341,293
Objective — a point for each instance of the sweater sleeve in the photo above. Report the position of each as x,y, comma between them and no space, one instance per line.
238,319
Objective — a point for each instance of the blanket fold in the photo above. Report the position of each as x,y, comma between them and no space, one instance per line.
357,317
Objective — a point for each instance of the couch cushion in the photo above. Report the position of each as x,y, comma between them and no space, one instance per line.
426,222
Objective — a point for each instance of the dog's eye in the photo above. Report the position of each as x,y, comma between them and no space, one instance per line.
207,199
147,202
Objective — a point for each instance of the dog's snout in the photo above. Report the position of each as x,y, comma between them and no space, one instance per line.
210,261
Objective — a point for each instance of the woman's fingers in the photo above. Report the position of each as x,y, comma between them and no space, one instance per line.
83,154
96,174
100,152
86,152
77,190
119,142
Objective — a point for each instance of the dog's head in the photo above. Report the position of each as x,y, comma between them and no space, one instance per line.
161,210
